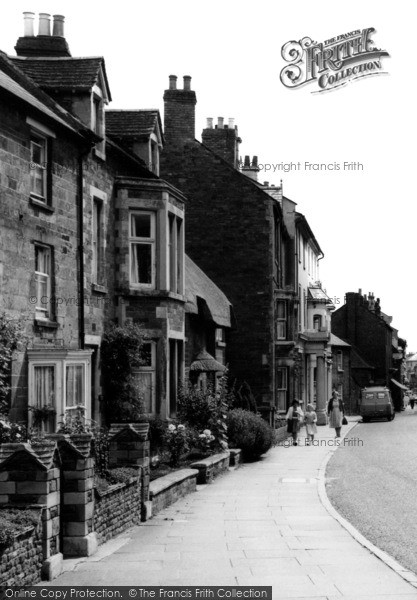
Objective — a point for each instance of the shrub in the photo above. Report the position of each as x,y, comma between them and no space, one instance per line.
249,432
11,336
206,409
177,443
13,521
121,355
11,432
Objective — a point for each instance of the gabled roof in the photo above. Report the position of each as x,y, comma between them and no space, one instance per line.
357,362
64,73
133,123
336,341
198,285
14,81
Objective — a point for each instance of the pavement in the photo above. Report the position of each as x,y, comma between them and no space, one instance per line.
261,524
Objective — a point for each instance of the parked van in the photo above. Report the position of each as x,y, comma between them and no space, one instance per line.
376,403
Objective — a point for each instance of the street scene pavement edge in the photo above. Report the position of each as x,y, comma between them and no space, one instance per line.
266,523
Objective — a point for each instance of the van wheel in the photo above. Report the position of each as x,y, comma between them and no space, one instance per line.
393,416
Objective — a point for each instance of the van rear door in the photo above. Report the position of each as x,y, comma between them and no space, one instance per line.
381,403
368,403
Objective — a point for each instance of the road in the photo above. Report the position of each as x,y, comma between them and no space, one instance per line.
373,484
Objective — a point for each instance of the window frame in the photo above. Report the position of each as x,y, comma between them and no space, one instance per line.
283,389
60,360
339,360
41,312
97,242
149,370
137,240
279,321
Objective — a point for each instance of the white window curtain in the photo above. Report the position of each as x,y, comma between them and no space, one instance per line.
44,386
74,385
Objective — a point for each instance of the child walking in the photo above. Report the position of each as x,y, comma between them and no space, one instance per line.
310,421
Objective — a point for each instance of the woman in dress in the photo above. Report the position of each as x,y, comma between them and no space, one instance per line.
310,420
294,418
335,410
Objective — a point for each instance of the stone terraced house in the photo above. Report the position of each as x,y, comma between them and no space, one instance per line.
90,234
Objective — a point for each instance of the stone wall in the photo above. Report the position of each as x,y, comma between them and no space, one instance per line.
21,561
166,490
117,508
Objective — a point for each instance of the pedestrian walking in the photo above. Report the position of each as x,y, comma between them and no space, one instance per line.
294,419
412,400
310,420
335,410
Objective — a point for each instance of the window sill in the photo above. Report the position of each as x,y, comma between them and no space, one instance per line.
284,343
46,323
99,289
39,204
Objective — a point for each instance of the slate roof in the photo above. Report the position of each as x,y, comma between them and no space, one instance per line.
63,73
132,123
14,81
336,341
198,285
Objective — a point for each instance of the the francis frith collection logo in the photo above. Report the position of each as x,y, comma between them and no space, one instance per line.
333,63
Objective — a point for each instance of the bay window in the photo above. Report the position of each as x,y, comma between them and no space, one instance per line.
59,380
281,320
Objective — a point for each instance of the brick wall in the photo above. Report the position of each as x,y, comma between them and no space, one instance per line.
21,561
230,236
117,509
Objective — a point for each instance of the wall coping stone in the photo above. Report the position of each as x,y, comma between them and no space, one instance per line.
210,460
157,486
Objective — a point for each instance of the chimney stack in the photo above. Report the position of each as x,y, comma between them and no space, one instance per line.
28,25
44,44
179,112
58,28
44,24
223,140
251,169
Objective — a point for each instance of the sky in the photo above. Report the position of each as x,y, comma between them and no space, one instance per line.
364,220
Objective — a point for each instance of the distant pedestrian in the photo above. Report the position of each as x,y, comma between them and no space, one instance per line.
310,419
335,410
294,418
412,400
406,400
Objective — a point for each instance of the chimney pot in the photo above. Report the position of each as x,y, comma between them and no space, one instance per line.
187,82
255,161
173,82
231,123
266,183
209,123
220,121
247,162
58,26
28,25
44,24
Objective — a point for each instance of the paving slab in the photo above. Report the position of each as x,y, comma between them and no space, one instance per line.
261,524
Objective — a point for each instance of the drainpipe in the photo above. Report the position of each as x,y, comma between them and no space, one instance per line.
83,153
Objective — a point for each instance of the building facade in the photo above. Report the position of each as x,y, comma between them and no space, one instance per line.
90,235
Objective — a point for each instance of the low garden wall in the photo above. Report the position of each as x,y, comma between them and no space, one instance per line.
166,490
209,468
117,509
21,560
